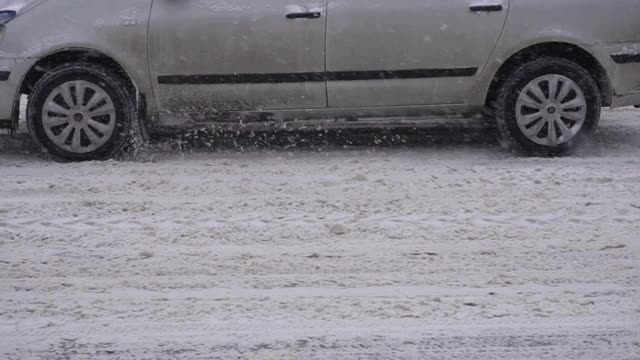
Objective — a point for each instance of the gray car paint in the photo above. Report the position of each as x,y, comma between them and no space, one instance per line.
239,37
408,34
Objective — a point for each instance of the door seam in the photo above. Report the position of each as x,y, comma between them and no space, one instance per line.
156,105
326,30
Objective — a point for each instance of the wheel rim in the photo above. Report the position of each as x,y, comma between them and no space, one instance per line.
551,110
79,116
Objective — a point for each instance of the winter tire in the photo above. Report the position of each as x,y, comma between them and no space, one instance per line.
547,107
80,112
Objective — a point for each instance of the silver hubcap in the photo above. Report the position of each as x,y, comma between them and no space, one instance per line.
551,110
79,117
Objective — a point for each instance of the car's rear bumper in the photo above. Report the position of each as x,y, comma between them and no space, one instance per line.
622,62
12,71
626,100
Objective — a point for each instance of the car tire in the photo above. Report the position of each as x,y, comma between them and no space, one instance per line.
82,112
535,108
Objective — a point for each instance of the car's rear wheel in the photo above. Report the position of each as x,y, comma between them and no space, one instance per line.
81,112
547,107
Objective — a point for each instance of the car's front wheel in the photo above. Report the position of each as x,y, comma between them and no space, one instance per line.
81,112
547,107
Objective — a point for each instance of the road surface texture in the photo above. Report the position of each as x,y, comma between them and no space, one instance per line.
414,251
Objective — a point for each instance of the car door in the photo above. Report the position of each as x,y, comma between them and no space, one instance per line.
409,52
217,55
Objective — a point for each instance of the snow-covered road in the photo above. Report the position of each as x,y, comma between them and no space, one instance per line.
427,252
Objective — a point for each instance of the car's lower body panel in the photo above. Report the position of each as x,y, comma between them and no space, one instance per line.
401,92
176,98
327,117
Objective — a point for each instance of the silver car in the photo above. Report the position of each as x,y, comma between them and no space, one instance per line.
100,73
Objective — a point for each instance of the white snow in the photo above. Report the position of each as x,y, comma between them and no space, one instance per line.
633,50
14,5
455,252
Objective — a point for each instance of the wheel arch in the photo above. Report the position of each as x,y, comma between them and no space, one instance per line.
559,49
80,54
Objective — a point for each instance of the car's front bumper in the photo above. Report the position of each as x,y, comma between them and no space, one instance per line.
622,62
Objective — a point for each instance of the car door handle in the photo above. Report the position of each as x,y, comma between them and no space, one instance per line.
304,15
486,7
